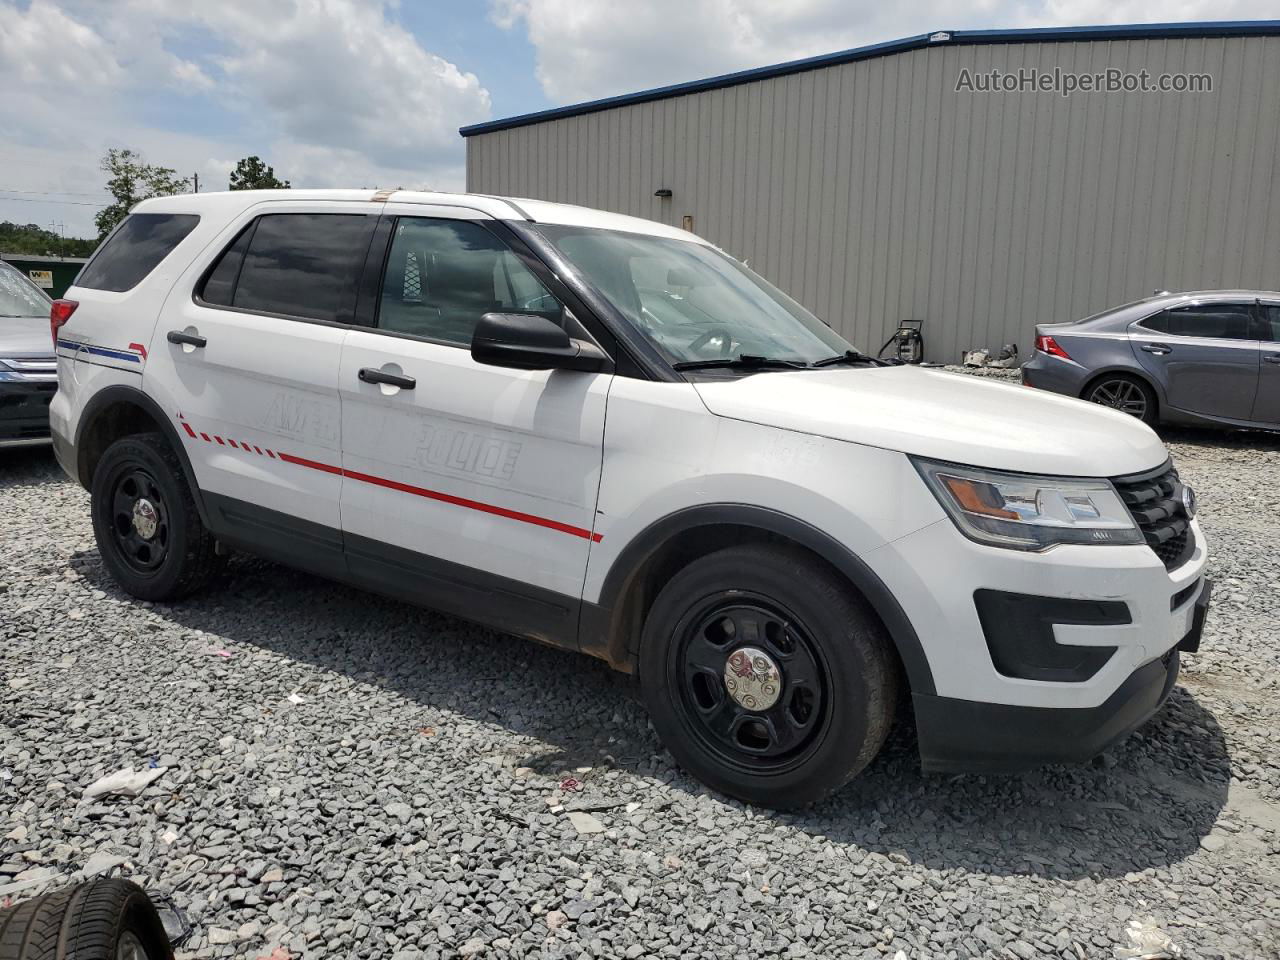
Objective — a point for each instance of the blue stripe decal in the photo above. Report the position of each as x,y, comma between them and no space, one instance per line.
100,351
1138,31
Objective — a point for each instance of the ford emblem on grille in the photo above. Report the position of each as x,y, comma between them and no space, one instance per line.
1188,497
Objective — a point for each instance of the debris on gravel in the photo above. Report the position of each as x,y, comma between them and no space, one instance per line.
306,812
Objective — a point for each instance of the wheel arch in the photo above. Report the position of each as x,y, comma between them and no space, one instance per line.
1133,373
610,628
119,411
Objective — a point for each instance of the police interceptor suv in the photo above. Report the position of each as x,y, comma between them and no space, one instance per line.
605,434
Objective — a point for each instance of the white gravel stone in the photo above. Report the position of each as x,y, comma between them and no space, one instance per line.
354,834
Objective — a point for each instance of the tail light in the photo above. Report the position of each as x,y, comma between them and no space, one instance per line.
1046,344
59,314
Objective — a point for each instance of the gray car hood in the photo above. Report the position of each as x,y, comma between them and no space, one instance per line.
25,336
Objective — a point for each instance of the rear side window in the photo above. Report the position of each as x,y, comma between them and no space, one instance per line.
298,264
1271,324
135,249
220,285
1221,321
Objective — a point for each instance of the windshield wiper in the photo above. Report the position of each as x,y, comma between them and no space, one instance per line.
743,360
850,356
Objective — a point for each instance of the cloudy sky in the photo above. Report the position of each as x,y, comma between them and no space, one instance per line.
372,92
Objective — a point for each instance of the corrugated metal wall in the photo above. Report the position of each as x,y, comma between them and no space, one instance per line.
873,192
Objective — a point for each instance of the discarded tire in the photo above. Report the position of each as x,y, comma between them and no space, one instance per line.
98,920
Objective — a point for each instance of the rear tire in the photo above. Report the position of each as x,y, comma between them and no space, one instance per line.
1125,393
146,522
99,920
766,676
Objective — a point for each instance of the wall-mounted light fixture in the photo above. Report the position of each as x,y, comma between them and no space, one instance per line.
664,193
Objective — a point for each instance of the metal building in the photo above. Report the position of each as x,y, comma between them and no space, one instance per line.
883,183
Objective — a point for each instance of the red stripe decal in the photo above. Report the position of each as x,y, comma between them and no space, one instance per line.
219,439
258,451
416,491
187,427
469,504
140,348
313,464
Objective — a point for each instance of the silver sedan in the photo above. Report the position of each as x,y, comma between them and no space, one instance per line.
1205,357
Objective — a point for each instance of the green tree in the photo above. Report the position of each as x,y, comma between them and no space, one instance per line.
129,180
34,239
252,174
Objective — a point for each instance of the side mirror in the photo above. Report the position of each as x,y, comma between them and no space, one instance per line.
526,341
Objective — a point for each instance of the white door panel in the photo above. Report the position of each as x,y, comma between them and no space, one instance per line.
263,391
491,468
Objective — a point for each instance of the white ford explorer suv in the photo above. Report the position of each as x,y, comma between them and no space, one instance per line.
602,433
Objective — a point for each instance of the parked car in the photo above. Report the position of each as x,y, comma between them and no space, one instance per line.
28,368
1206,357
604,434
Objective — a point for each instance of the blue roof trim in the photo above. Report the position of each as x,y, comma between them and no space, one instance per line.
1135,31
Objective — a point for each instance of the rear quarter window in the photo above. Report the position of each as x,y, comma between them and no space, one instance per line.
135,249
303,265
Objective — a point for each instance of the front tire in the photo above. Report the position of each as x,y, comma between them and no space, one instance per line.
766,676
146,522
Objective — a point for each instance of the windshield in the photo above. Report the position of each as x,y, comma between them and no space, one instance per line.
693,302
19,297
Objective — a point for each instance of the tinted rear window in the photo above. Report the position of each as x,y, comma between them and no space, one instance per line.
135,249
1222,321
297,264
220,285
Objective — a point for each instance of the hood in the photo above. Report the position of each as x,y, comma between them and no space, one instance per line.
25,335
944,416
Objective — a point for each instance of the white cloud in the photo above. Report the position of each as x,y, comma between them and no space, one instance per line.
47,49
590,50
337,73
330,92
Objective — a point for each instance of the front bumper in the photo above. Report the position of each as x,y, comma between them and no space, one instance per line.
964,736
24,412
1039,657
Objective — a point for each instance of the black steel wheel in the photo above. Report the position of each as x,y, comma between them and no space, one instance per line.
766,675
146,522
753,684
139,519
1126,394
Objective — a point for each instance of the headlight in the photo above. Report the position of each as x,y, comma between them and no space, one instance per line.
1029,513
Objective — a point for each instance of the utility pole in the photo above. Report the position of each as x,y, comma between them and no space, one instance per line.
60,230
195,178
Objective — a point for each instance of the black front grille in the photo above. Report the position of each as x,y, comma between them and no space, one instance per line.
1154,499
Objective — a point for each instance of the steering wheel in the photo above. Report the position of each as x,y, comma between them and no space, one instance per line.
726,341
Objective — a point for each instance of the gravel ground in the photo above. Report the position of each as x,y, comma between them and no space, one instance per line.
352,777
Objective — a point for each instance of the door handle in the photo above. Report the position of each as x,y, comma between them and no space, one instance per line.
1272,358
374,375
1159,349
181,336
